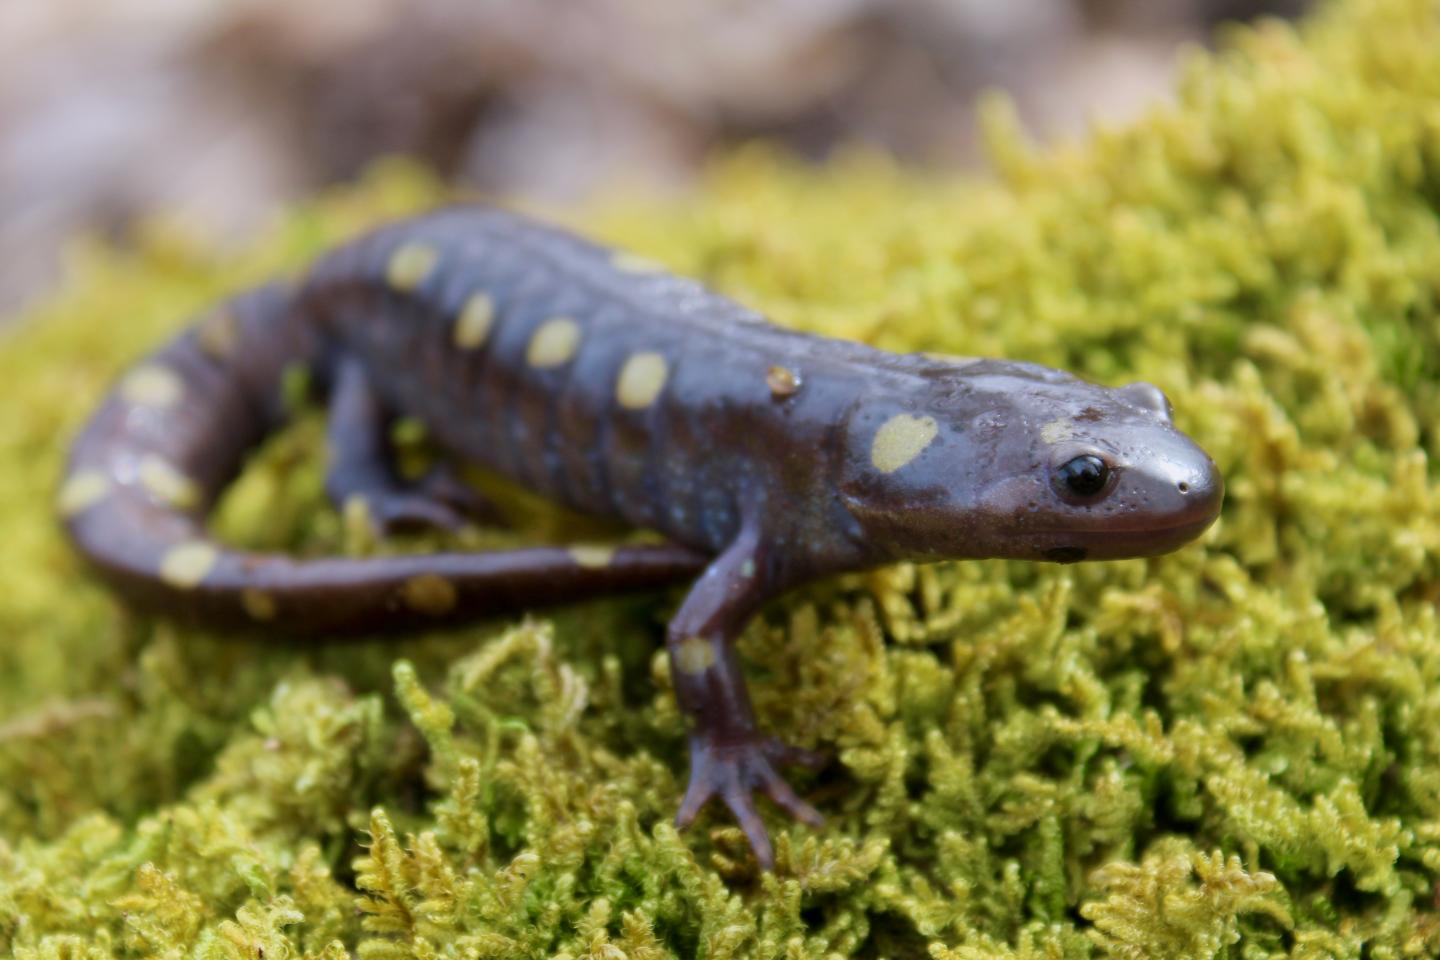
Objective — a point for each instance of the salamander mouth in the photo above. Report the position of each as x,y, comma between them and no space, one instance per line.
1066,554
1115,544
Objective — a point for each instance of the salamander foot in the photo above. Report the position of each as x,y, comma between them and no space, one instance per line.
443,485
437,501
734,770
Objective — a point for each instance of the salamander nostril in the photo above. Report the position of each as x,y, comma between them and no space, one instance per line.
1199,491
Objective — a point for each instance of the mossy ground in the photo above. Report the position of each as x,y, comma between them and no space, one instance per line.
1233,750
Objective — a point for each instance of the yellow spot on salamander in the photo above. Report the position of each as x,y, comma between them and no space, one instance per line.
473,324
81,491
357,522
218,335
782,381
695,655
187,565
1058,430
634,263
356,510
592,557
641,380
409,265
152,385
429,593
168,484
258,604
554,343
900,440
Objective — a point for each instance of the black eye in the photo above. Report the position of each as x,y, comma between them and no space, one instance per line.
1084,476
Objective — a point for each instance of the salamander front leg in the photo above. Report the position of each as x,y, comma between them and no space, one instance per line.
361,466
729,756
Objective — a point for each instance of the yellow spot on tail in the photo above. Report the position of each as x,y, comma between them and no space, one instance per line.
152,385
634,263
641,380
409,265
473,324
218,335
168,484
429,593
258,604
900,440
554,343
81,491
695,655
1058,431
187,565
592,557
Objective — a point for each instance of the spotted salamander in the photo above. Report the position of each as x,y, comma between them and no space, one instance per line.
765,456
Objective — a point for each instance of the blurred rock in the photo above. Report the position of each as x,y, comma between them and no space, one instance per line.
219,112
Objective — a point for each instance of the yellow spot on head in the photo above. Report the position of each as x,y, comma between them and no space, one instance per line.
258,604
81,491
592,557
187,565
409,265
641,380
695,655
473,324
782,381
218,335
634,263
554,343
168,484
152,385
900,440
1058,430
429,593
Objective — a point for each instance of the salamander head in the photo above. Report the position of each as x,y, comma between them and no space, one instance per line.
998,459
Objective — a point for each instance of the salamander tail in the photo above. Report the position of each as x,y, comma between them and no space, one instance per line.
176,429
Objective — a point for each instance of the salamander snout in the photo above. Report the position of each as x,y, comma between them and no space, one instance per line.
1199,491
1161,494
1122,482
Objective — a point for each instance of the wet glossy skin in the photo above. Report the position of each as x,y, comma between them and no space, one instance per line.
987,484
765,456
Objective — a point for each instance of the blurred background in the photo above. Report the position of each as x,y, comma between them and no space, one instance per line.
220,111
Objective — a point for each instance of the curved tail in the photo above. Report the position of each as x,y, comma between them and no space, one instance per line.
176,428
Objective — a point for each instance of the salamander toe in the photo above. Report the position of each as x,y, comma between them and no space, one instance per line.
406,512
734,771
443,484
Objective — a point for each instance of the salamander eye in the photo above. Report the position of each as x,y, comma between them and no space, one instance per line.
1083,477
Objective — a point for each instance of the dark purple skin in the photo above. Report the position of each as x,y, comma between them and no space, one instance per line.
767,457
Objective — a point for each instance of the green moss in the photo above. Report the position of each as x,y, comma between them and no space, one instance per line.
1233,750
